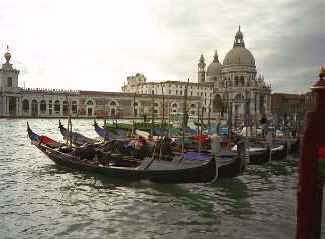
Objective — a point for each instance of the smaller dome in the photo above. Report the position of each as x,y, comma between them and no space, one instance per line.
214,69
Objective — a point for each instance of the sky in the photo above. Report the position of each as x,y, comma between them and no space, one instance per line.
95,45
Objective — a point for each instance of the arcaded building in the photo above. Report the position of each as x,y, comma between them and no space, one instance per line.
16,101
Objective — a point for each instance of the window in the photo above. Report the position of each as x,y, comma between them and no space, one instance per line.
43,106
242,81
9,82
74,107
65,107
236,80
25,106
113,103
90,102
57,106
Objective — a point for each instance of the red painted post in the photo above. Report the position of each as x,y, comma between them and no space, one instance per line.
310,187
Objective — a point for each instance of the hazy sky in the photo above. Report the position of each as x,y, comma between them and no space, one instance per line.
95,45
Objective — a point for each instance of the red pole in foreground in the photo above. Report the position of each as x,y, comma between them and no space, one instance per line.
310,187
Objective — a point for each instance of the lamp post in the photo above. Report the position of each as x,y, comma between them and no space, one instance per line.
152,113
163,105
209,112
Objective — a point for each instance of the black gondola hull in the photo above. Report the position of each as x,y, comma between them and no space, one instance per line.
201,173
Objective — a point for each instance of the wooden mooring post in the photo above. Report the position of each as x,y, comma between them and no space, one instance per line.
310,185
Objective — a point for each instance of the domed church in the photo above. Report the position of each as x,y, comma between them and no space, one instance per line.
235,83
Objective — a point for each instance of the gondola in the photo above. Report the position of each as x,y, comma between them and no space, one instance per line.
261,154
108,133
179,170
76,138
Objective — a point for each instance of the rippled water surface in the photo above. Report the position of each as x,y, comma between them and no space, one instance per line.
41,200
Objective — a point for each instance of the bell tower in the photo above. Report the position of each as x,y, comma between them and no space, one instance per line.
201,69
8,75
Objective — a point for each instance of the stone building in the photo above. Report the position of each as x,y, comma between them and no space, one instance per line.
16,101
232,85
288,107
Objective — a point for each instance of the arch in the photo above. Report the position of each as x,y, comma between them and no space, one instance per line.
113,103
34,108
65,107
193,105
236,81
25,106
242,81
156,104
43,106
74,107
174,105
57,106
218,104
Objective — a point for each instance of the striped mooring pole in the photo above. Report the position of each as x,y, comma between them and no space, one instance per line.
310,184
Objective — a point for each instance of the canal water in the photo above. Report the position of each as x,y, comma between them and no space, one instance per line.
41,200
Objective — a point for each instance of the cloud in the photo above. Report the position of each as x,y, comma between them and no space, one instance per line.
96,45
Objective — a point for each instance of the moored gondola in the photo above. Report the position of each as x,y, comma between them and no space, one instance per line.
108,132
76,138
179,170
260,154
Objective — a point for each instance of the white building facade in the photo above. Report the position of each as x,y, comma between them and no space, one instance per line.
232,86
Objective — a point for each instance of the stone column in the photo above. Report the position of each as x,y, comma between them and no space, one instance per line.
47,112
38,108
17,106
30,108
61,108
21,106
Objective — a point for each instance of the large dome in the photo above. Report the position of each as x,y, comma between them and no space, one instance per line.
239,56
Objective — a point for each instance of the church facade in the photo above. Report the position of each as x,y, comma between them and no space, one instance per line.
231,86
